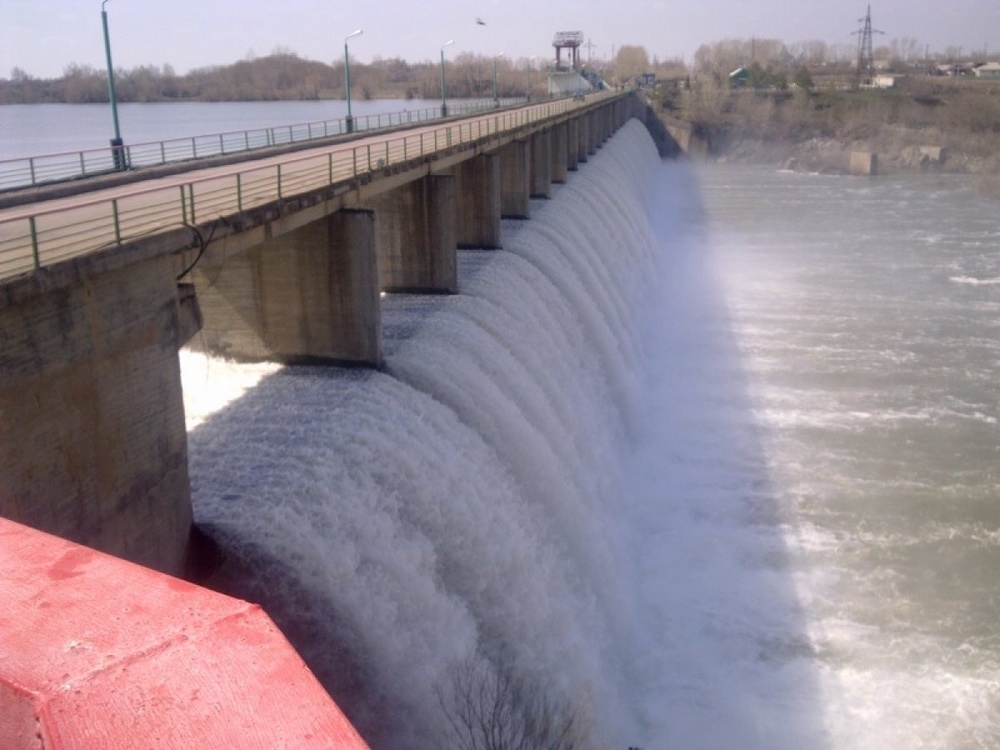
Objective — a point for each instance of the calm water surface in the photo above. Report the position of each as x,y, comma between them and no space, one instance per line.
38,129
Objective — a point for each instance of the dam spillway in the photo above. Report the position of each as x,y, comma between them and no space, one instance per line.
459,504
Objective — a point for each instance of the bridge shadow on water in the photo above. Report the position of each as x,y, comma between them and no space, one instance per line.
729,661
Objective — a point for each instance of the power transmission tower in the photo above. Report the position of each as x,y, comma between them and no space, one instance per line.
865,73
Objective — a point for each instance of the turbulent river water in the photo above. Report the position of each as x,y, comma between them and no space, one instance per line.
706,454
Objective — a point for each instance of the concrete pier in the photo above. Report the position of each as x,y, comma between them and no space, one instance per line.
478,205
560,153
311,295
583,149
93,445
541,164
864,163
572,144
415,236
515,180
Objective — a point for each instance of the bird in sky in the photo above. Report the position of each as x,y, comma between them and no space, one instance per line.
480,21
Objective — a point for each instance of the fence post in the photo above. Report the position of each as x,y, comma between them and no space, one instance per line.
34,242
118,229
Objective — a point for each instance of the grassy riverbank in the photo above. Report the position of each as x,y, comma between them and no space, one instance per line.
817,129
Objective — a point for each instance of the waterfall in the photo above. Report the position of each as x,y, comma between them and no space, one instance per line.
462,503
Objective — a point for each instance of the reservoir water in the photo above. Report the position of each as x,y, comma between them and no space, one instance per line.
705,455
28,130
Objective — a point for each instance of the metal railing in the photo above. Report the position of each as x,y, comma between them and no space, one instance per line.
38,170
34,237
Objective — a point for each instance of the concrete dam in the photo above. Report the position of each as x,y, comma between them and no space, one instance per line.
548,365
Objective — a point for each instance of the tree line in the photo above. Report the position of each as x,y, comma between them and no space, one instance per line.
283,75
279,76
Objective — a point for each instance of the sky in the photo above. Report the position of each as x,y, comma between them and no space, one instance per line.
43,37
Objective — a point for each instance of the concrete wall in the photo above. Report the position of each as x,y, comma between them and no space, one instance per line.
541,164
93,445
478,189
572,144
415,236
560,153
864,163
515,180
311,295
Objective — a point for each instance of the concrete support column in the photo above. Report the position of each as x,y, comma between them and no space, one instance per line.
515,180
583,142
559,153
93,445
311,295
572,144
415,236
541,164
600,132
593,132
621,113
477,197
864,163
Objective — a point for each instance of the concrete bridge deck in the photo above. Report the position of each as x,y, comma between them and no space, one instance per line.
53,229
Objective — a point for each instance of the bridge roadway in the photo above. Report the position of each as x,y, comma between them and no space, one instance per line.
41,233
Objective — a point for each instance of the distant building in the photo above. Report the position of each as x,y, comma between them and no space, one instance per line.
738,78
989,70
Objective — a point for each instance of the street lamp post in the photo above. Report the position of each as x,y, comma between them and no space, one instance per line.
347,80
444,102
531,60
117,147
496,99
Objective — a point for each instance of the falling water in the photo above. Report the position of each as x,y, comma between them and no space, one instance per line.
465,500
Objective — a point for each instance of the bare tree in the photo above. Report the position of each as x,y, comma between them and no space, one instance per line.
490,707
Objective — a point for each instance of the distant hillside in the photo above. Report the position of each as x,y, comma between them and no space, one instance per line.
815,129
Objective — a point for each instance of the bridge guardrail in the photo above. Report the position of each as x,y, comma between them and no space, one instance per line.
35,238
38,170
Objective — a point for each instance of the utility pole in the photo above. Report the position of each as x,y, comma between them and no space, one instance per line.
590,47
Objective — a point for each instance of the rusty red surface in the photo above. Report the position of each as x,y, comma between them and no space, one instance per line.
96,652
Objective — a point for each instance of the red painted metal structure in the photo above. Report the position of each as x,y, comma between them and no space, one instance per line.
99,654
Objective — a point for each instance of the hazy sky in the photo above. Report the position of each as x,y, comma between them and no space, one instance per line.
44,36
